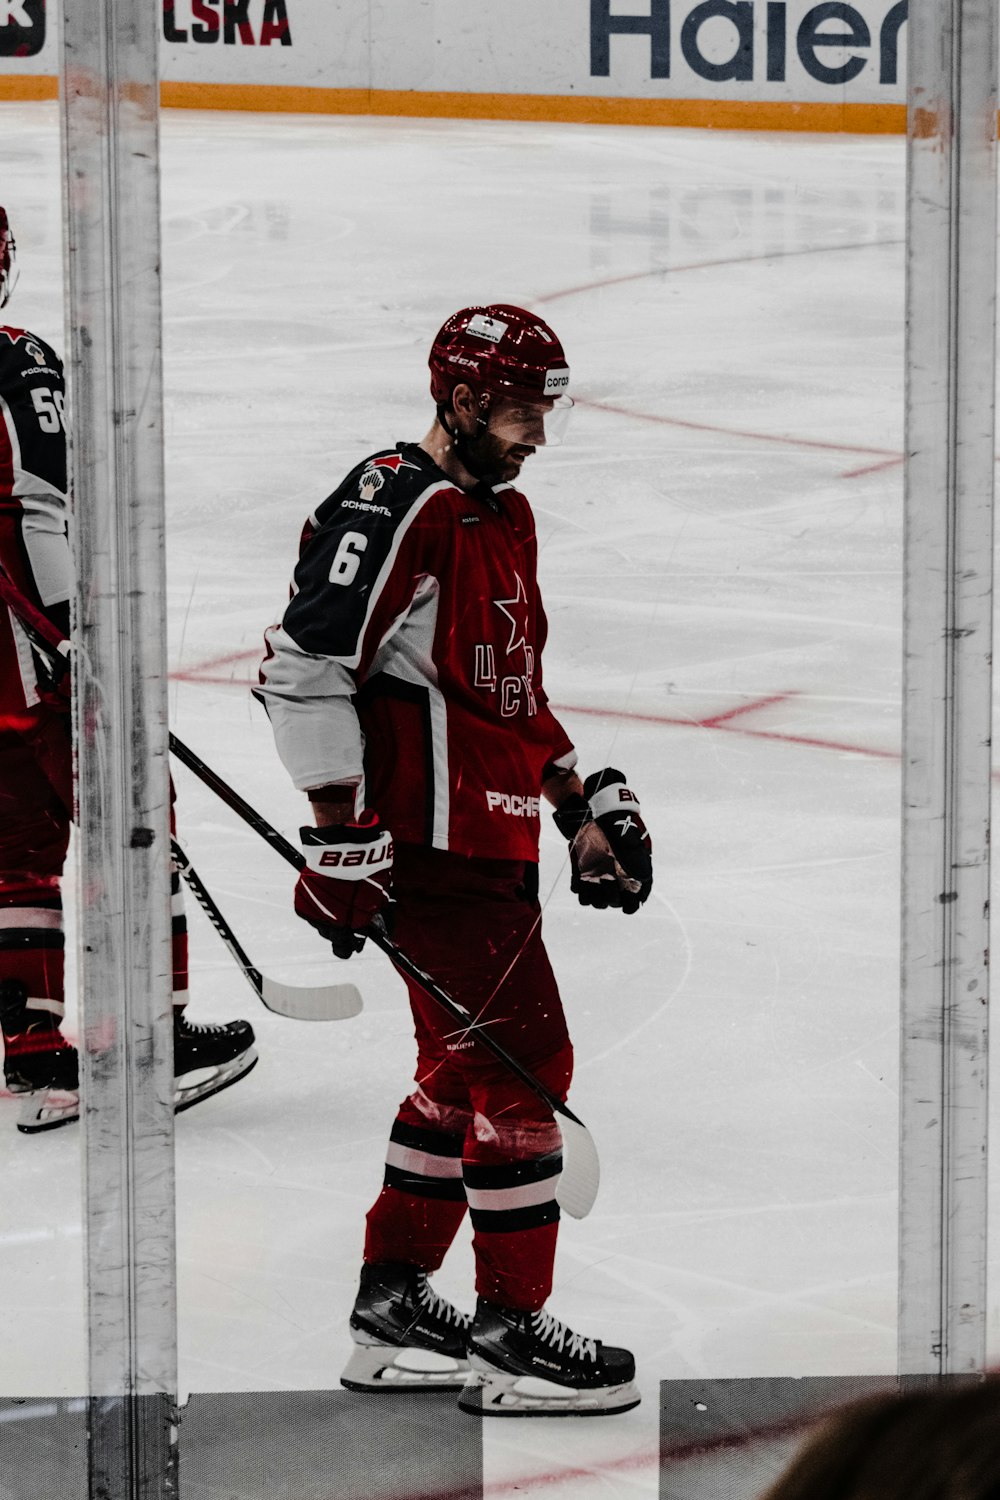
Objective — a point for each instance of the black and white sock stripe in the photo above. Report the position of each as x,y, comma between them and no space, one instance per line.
427,1163
516,1195
37,926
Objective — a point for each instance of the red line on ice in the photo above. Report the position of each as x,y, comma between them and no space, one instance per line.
720,721
644,1460
197,674
717,720
885,463
886,456
890,458
200,681
707,265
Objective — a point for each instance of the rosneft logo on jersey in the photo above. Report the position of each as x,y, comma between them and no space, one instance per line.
22,27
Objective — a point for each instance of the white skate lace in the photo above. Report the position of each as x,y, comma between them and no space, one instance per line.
562,1338
439,1307
200,1030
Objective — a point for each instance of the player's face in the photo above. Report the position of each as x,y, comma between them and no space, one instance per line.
513,432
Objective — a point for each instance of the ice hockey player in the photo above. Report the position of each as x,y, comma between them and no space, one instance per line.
36,788
405,692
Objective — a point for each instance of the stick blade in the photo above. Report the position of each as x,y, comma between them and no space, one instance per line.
581,1174
325,1002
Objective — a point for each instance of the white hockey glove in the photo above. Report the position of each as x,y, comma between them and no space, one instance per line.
610,848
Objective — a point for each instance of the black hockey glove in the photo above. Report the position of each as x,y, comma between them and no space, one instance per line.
610,848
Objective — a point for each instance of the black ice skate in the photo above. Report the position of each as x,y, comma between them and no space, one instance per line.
38,1061
408,1338
526,1364
209,1058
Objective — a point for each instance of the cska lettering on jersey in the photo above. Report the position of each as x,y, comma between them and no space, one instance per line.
244,23
753,41
513,690
22,27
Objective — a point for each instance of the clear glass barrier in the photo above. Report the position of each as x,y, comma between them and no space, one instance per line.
720,561
719,555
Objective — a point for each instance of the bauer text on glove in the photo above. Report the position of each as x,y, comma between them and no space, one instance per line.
346,882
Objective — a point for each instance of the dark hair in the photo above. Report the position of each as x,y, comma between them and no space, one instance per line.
937,1444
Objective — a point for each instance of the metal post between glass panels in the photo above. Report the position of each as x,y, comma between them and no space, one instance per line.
110,104
951,297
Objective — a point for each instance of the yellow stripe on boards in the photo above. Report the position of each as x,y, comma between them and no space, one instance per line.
718,114
711,114
15,86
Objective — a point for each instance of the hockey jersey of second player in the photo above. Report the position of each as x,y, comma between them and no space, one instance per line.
408,661
34,550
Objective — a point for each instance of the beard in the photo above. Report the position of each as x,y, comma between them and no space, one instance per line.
486,457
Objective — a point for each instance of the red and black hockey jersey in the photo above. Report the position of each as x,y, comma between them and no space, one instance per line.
34,550
408,661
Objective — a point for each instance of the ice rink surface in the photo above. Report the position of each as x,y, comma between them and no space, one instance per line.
720,560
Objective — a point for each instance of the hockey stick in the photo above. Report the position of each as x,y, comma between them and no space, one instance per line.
581,1171
47,640
330,1002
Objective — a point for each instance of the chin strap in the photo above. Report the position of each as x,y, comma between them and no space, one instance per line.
460,442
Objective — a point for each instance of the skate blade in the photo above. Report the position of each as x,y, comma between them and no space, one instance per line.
494,1393
391,1371
46,1109
202,1083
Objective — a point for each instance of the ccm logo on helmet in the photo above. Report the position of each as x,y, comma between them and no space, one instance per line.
556,381
510,802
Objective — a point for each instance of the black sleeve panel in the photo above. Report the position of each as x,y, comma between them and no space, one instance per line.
358,566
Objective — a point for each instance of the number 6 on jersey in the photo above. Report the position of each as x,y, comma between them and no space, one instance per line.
345,564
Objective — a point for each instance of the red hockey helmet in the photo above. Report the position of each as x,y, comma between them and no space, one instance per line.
498,350
8,268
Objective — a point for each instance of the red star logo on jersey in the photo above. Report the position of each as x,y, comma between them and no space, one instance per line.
516,610
393,461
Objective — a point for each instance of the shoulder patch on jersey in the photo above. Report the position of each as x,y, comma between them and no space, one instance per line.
380,488
373,478
34,348
391,461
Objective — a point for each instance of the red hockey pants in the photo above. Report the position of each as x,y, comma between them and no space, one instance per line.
34,837
471,1135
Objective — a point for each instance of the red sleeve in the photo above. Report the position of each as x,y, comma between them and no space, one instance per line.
562,755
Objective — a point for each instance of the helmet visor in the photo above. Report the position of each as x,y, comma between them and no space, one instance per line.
533,424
